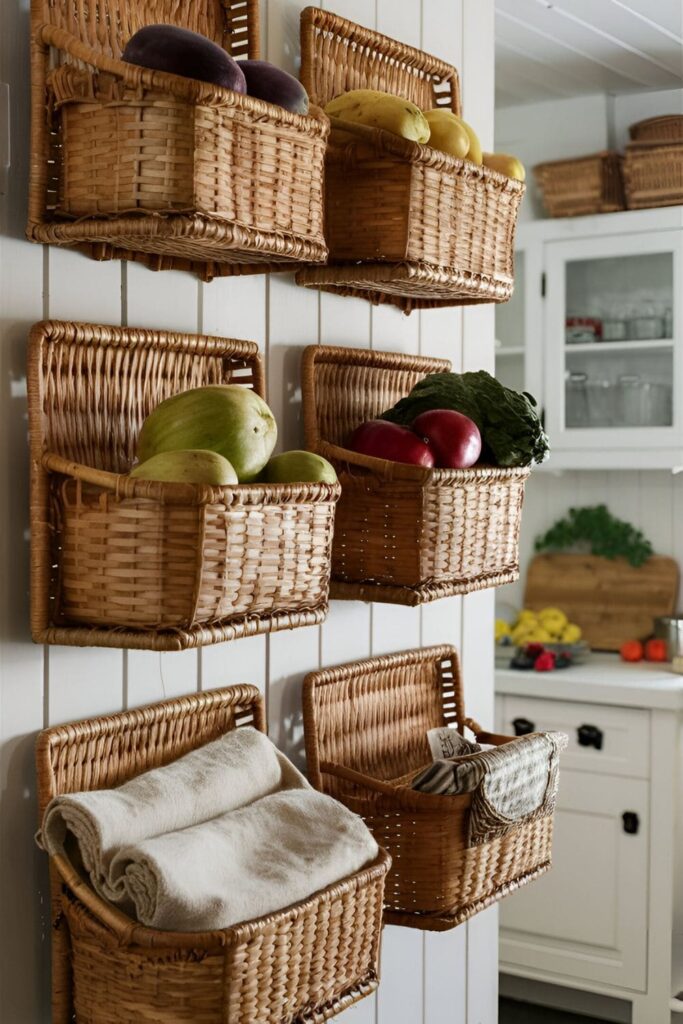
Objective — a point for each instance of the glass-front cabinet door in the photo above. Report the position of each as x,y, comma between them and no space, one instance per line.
613,340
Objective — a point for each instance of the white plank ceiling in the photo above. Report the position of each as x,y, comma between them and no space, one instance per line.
548,50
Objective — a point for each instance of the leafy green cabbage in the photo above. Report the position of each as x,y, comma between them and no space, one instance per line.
509,424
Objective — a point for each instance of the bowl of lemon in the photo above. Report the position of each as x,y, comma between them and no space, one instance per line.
549,628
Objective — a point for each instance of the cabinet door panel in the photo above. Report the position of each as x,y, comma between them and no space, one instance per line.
588,917
625,733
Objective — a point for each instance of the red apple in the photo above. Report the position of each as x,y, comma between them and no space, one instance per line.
385,440
454,438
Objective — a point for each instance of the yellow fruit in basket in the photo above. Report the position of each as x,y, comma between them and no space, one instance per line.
505,164
539,636
381,110
502,630
448,133
526,615
553,619
474,153
571,634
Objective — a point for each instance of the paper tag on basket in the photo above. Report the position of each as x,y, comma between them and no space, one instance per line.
445,743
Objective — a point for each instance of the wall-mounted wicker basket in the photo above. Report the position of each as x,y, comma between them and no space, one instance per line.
366,729
582,185
405,224
122,562
301,965
175,173
404,534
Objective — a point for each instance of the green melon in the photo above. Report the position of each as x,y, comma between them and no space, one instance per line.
298,467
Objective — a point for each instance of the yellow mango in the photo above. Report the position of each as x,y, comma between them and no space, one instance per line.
381,110
448,132
505,164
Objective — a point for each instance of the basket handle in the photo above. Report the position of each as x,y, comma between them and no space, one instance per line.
339,771
380,467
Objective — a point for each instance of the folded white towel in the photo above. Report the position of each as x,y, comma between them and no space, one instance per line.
244,864
193,845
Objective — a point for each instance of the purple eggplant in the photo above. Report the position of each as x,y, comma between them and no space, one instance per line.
182,52
266,82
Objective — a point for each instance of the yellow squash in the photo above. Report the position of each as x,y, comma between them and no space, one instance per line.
381,110
505,164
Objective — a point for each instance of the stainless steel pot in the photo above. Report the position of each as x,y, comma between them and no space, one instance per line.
670,628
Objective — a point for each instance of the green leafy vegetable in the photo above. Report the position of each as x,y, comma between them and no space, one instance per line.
604,533
510,428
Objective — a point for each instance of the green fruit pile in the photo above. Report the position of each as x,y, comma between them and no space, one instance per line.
220,435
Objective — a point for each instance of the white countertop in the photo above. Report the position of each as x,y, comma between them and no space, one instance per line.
603,679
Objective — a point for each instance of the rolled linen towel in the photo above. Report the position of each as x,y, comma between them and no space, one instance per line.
230,772
245,864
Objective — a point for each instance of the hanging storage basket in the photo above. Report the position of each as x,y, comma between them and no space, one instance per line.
404,534
139,164
366,729
582,185
122,562
405,223
301,965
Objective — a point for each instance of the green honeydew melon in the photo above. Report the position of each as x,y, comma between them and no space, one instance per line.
298,467
225,418
187,466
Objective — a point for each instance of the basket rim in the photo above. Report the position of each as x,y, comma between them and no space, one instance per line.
127,932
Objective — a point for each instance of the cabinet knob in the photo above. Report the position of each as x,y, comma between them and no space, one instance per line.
590,736
523,726
631,822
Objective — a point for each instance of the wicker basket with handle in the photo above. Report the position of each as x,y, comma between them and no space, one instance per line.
405,224
582,185
366,729
301,965
404,534
140,164
123,562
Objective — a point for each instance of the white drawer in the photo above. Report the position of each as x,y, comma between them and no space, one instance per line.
621,735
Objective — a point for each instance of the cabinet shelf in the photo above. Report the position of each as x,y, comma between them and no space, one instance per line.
510,350
610,347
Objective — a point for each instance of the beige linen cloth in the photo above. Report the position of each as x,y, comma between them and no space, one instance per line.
229,832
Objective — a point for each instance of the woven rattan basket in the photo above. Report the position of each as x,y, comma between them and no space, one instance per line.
405,224
582,185
366,729
128,162
666,128
404,534
302,964
121,562
653,174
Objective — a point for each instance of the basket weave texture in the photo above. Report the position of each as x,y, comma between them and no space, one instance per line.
365,728
653,165
140,164
301,965
405,224
122,562
404,534
582,185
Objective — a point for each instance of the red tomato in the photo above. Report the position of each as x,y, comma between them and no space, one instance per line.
454,438
632,650
385,440
656,650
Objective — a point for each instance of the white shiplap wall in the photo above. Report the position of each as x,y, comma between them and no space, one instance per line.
426,978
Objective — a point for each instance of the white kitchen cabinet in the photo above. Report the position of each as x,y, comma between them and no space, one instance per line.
595,332
602,920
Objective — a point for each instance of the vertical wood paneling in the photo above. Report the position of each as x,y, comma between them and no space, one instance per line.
417,988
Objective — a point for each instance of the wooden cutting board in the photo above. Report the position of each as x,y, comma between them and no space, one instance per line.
610,600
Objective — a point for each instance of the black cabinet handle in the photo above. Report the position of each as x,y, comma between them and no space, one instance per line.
590,736
523,726
631,822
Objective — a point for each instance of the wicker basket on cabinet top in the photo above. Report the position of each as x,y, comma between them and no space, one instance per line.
140,164
653,174
301,965
582,185
405,223
122,562
404,534
366,729
665,128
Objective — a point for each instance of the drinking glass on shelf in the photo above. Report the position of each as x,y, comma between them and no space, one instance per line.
576,400
643,403
600,394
